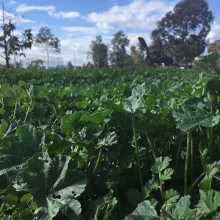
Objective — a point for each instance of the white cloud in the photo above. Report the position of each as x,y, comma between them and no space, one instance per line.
133,37
50,9
22,20
26,8
139,15
103,28
81,29
214,34
62,14
17,19
11,3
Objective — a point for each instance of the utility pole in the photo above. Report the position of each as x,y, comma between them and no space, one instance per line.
74,55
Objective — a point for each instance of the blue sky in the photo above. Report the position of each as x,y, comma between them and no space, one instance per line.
77,22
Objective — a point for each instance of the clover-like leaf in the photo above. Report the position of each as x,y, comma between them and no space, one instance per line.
171,196
160,164
166,174
209,201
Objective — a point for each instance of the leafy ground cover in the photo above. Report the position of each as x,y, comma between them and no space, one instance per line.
119,143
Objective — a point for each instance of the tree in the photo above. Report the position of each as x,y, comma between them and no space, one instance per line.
154,55
13,45
69,66
36,63
136,56
118,54
182,32
99,52
48,41
214,47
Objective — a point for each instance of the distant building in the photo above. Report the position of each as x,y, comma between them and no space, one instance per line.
199,58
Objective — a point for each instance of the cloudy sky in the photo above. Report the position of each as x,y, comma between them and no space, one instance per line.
77,22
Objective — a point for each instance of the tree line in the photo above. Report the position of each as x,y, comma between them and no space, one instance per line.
15,45
180,35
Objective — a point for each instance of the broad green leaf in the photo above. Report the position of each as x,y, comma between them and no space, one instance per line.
10,199
136,101
3,127
17,150
96,118
216,216
193,113
73,191
83,103
2,111
144,211
134,196
209,201
48,210
180,210
171,196
55,143
72,209
108,140
67,122
25,199
50,187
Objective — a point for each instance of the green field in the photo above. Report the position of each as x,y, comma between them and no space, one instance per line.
129,143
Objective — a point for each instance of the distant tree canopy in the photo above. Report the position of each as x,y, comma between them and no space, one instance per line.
182,32
214,47
11,44
48,41
119,43
69,66
136,56
99,52
36,63
154,55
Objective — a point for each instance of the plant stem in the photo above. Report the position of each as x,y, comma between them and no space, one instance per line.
27,112
187,162
15,109
154,155
210,138
98,160
178,153
151,146
137,152
191,154
195,182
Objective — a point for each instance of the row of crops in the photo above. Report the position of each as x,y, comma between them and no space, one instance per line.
126,143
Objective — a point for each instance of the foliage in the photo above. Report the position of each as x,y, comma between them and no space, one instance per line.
48,41
118,54
36,63
13,44
214,47
99,52
69,66
182,32
136,56
111,143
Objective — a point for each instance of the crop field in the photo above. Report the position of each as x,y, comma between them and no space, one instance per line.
132,143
